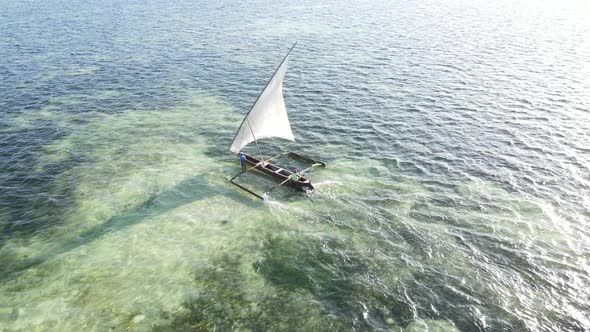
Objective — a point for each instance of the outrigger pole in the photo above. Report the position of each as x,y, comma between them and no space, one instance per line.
305,170
244,188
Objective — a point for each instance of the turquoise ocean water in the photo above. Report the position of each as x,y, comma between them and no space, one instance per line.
456,197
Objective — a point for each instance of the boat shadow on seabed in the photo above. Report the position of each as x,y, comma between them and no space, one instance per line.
187,191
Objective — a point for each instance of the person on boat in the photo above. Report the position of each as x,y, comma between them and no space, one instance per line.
243,161
295,176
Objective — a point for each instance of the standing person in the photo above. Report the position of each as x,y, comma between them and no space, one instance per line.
243,161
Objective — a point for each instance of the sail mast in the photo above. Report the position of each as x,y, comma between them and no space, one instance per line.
255,140
252,130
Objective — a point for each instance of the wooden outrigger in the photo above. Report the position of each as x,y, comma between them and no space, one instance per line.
268,118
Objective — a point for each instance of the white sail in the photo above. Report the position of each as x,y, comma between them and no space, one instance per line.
268,117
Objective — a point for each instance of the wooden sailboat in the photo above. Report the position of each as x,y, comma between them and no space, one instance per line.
268,118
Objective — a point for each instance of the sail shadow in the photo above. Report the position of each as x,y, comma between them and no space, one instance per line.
187,191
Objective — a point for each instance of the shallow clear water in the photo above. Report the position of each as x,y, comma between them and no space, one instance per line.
456,195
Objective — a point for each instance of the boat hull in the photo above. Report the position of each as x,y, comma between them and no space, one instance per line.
278,173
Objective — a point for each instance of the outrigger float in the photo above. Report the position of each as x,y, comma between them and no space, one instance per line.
268,118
